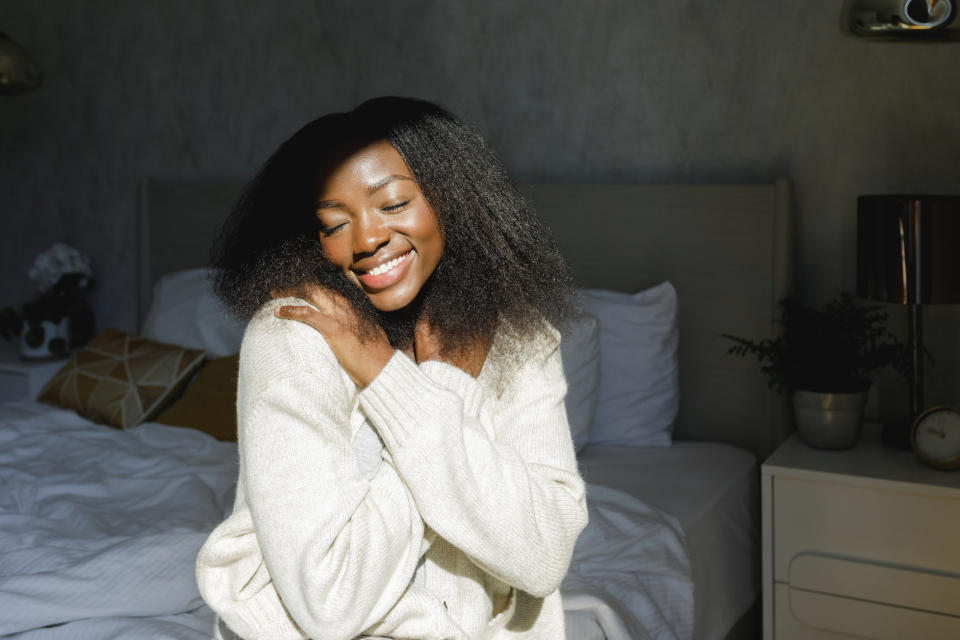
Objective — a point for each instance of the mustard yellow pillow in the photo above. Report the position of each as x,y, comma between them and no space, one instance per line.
210,402
120,379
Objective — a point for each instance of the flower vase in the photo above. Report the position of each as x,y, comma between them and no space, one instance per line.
43,339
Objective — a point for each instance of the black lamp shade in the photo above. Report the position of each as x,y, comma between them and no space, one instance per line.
908,249
19,72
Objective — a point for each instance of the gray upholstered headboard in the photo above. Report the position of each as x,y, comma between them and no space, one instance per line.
728,250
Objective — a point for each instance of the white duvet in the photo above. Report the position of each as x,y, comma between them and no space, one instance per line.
99,530
631,570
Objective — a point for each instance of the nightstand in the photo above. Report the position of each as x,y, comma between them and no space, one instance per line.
22,378
861,543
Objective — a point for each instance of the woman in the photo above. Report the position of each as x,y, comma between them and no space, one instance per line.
406,468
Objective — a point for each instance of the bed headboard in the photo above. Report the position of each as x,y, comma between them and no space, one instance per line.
728,250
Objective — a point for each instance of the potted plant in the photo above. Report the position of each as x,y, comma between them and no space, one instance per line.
59,318
824,357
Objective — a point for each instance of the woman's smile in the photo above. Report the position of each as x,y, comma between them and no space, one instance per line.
377,226
387,273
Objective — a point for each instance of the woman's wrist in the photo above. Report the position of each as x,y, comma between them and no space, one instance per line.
370,367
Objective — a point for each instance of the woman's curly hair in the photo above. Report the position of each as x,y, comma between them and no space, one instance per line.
500,266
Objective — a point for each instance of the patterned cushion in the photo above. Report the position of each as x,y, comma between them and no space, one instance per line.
121,380
210,402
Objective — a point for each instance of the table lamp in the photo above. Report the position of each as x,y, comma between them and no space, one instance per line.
908,252
903,20
19,72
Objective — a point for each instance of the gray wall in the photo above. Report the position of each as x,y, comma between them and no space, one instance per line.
609,90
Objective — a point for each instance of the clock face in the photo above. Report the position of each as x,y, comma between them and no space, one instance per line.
936,437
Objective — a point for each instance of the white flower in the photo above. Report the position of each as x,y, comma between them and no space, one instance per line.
55,262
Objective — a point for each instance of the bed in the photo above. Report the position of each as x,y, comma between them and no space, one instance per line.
99,526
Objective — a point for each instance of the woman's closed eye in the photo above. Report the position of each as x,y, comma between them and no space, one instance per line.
395,207
329,230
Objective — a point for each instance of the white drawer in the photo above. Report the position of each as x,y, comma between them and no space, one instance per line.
897,524
807,615
878,582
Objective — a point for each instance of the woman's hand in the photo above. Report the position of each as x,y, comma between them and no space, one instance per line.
468,358
337,320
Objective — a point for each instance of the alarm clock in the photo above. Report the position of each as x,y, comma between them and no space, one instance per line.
935,437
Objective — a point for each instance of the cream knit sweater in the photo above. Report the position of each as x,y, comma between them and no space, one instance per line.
428,505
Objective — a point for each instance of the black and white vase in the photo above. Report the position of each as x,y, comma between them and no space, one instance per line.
44,340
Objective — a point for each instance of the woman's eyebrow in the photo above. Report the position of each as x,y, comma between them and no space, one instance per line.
380,184
372,189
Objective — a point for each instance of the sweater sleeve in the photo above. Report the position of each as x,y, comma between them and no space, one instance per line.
502,486
314,549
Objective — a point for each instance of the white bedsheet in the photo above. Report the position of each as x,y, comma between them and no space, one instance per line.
99,531
99,528
713,491
630,570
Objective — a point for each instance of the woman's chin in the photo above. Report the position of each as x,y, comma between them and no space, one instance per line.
390,304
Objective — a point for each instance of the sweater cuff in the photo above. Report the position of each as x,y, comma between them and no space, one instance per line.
265,614
457,380
403,401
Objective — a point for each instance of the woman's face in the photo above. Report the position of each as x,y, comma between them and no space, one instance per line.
376,225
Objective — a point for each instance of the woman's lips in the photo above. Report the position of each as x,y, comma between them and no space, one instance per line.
388,277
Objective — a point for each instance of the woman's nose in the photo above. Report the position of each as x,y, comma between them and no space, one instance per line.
371,234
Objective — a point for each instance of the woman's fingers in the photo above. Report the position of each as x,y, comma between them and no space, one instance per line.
321,298
329,302
329,308
301,313
336,320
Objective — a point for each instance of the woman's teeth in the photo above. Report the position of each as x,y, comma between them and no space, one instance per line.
387,266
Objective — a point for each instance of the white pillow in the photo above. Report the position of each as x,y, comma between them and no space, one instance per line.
580,352
184,311
638,398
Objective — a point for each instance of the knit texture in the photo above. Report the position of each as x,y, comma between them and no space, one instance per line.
429,505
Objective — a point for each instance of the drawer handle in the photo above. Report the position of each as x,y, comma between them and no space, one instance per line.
869,619
903,586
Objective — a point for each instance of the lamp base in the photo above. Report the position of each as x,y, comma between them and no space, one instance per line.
896,435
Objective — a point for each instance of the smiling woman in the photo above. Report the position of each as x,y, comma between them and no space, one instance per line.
377,227
499,269
406,465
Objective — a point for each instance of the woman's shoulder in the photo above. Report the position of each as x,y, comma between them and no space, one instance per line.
519,352
275,348
529,343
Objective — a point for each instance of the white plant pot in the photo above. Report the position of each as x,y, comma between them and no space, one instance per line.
829,420
55,342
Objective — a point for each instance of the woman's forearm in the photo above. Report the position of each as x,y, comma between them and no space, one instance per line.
513,502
